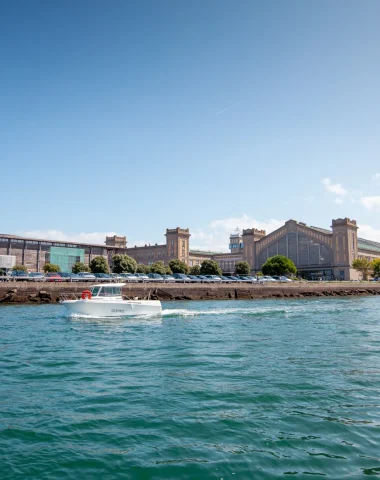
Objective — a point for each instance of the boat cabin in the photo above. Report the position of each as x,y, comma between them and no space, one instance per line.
108,290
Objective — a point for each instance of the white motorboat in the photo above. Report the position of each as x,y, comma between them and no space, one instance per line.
106,301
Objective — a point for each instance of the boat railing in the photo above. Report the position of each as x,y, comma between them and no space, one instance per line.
69,296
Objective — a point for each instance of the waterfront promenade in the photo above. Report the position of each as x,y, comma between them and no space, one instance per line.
24,292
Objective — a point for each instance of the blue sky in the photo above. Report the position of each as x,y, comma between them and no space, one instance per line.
131,117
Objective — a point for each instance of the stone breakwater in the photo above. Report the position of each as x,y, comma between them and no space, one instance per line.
38,293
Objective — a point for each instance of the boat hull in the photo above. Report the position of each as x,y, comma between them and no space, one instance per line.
124,308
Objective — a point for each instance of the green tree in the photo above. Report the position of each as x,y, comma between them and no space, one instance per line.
168,270
210,267
20,268
80,267
195,270
123,264
279,265
158,267
242,268
99,265
363,266
141,268
176,266
51,267
376,267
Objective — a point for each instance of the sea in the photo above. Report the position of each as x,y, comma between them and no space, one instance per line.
258,389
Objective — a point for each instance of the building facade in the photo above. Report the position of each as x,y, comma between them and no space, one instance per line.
316,252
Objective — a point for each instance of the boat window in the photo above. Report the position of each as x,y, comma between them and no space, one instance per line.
110,292
95,291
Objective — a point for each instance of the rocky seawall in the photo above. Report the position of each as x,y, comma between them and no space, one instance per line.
38,293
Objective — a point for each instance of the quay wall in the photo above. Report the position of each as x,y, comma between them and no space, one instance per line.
25,292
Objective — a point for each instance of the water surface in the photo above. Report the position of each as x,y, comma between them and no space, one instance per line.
212,390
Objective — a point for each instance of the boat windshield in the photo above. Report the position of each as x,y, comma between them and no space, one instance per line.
110,292
95,291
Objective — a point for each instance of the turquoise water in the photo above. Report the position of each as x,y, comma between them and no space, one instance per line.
213,390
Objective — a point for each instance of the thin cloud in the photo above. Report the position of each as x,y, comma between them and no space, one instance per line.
227,108
98,238
335,188
372,203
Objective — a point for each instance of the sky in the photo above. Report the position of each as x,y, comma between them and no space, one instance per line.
133,117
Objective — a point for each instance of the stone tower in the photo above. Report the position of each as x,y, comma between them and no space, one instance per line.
177,244
345,248
250,236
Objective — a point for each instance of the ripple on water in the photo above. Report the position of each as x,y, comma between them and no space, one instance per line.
238,389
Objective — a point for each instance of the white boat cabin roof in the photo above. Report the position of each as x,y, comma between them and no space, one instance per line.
109,285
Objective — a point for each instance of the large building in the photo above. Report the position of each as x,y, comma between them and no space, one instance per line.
316,252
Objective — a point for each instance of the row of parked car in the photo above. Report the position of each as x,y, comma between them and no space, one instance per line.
138,277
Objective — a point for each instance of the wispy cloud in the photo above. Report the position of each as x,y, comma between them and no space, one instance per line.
372,203
215,236
93,237
376,177
227,108
369,232
335,188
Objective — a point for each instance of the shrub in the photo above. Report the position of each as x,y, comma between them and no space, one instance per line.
123,264
279,265
80,267
20,268
177,266
210,267
51,267
242,268
99,265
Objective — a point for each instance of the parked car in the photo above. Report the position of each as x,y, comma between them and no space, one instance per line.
69,277
181,277
129,277
214,278
103,277
204,279
267,278
86,277
19,275
37,277
143,277
115,277
284,279
226,279
155,277
245,278
249,278
169,278
53,277
235,279
195,279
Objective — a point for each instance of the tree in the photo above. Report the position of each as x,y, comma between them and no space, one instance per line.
376,267
51,267
123,264
210,267
168,270
177,266
158,267
20,268
99,265
363,266
242,268
80,267
279,265
141,268
196,270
